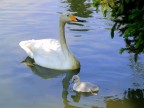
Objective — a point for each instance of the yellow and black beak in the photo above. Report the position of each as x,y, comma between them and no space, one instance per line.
73,18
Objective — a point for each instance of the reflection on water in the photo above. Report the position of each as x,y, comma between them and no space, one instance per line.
65,91
133,98
134,94
46,73
81,8
137,71
136,66
50,73
120,79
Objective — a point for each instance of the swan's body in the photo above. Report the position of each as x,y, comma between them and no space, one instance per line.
83,86
51,53
48,53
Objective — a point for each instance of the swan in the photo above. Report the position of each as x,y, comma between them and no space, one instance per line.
83,86
51,53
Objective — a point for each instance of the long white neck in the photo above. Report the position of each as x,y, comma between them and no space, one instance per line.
69,57
62,37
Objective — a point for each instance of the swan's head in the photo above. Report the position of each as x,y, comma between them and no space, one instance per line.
67,18
75,79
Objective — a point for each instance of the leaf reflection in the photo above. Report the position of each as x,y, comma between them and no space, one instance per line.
136,66
133,98
81,7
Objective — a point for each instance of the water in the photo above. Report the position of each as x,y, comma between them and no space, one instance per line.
119,78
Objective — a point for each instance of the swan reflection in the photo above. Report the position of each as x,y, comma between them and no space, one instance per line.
46,73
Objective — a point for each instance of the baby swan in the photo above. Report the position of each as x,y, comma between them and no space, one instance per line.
83,86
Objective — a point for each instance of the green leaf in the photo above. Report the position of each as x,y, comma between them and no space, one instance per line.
121,50
121,9
127,1
96,2
105,13
137,45
113,29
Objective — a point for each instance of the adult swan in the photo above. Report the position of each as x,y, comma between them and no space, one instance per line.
51,53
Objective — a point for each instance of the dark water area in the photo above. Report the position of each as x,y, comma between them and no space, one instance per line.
120,79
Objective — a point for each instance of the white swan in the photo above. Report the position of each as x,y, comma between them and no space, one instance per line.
51,53
83,86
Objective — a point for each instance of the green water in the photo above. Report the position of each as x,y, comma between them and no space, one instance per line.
121,81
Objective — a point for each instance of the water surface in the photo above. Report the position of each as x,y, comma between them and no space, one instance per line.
120,79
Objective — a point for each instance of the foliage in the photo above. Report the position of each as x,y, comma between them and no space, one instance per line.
128,17
104,6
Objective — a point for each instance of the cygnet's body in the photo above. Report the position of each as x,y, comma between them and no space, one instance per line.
83,86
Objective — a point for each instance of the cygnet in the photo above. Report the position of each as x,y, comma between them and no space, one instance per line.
83,86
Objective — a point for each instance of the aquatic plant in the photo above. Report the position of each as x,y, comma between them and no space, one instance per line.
128,18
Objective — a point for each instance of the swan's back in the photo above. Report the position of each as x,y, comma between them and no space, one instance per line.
36,46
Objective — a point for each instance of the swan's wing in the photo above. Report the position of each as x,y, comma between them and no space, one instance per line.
86,87
49,54
47,45
26,46
47,49
92,87
44,45
82,87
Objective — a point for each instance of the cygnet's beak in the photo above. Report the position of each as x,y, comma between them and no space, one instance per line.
73,18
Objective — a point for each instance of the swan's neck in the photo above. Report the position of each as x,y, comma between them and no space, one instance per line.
69,57
62,37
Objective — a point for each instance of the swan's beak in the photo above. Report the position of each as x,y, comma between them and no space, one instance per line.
73,18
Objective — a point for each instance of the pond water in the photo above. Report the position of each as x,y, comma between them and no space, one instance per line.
120,79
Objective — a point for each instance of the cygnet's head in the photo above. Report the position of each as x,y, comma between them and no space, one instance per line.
67,17
75,78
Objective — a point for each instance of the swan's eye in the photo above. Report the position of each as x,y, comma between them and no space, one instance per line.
67,15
